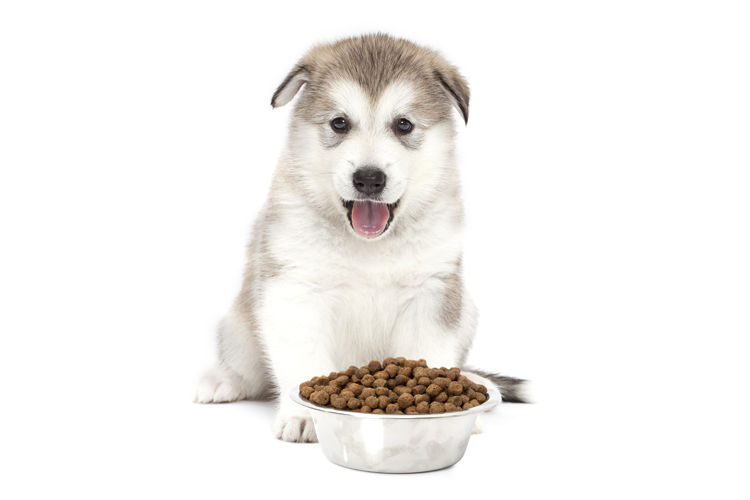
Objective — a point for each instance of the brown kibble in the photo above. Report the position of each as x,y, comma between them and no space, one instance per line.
367,380
450,407
350,371
342,381
391,370
305,392
332,389
379,382
465,382
422,363
401,380
391,384
433,390
423,407
305,384
471,393
346,394
391,408
378,410
374,366
338,402
425,381
384,391
366,409
455,401
441,398
405,400
481,389
474,402
411,363
356,389
383,402
320,397
361,372
468,406
367,392
382,374
418,389
411,383
422,397
405,371
436,408
481,397
451,375
411,410
464,398
443,382
473,386
354,404
420,372
393,396
455,388
389,361
400,360
433,373
402,389
372,402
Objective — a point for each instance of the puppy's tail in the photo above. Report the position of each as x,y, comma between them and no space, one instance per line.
513,390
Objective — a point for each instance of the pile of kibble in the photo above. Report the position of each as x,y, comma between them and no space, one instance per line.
396,386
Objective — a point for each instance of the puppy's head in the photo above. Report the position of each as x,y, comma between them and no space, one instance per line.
372,134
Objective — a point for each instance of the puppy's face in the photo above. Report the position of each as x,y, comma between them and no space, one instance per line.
373,129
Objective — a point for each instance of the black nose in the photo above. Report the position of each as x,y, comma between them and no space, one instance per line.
369,180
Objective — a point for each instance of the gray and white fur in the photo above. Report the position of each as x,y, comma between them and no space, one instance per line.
356,254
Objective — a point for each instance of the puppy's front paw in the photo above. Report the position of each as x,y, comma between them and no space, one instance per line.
295,426
218,386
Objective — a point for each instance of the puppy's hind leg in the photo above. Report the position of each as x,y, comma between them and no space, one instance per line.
240,372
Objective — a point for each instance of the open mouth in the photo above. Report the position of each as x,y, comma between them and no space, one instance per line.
369,218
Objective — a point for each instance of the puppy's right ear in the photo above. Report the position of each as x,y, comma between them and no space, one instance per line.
290,86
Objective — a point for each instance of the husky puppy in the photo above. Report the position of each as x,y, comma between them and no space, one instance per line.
356,254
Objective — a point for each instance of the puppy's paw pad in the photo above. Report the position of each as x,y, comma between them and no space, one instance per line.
214,387
295,429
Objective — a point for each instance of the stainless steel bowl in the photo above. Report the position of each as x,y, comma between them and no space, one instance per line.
394,443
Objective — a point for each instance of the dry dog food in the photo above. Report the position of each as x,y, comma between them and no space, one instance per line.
397,385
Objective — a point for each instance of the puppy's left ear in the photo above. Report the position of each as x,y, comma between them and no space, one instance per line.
456,89
290,86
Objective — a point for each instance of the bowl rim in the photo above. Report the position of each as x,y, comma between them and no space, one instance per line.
494,400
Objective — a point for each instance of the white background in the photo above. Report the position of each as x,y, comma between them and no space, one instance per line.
606,178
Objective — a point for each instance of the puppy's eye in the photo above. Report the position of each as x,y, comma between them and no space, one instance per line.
339,125
404,126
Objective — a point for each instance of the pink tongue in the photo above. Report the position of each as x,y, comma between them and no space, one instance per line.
369,218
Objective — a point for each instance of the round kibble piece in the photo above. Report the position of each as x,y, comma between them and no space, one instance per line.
367,380
391,408
354,404
367,392
366,409
422,397
306,392
372,402
433,390
320,397
455,388
392,370
378,410
436,408
374,366
405,400
441,398
423,407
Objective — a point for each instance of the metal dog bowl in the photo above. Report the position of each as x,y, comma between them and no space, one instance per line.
394,443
